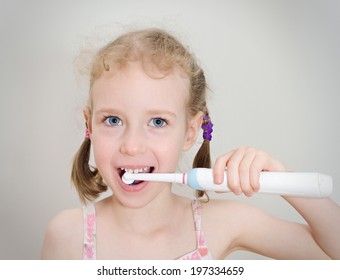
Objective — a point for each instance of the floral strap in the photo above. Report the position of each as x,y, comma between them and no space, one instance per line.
89,244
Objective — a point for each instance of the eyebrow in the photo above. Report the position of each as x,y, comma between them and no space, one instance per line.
161,112
112,111
108,111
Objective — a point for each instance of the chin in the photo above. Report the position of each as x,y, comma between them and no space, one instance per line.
135,199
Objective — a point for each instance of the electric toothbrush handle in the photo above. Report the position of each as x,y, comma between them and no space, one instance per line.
313,185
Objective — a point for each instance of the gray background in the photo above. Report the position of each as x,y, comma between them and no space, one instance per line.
273,69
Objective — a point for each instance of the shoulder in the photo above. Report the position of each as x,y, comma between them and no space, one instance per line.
63,237
222,216
230,210
66,220
224,209
226,222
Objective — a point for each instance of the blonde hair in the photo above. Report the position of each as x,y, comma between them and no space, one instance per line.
152,48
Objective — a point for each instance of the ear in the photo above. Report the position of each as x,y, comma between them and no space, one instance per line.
87,116
194,126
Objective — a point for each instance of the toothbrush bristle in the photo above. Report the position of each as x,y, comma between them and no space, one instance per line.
126,176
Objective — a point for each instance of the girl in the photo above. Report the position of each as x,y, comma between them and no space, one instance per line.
147,105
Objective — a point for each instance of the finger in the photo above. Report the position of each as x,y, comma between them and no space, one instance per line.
255,171
244,171
275,165
263,162
220,167
233,165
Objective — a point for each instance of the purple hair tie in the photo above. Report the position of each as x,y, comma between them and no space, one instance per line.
207,127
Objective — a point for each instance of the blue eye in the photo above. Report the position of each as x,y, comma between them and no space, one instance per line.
158,122
113,121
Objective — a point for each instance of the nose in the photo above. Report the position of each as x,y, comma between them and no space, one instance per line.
133,142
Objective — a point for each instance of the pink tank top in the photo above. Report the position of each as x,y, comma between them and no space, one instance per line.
89,248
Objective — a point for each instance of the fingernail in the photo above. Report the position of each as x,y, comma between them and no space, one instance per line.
219,180
237,192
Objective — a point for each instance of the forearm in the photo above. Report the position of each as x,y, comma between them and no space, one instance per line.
323,217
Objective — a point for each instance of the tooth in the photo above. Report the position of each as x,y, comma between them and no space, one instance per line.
136,170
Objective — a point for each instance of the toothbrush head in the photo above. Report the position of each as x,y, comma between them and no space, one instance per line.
126,180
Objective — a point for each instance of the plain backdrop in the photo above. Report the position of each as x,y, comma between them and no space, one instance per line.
273,68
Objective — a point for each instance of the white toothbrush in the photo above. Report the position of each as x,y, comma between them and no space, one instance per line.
307,184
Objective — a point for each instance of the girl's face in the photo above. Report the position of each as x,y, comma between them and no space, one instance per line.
139,123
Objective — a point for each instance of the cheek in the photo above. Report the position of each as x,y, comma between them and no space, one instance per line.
102,148
170,150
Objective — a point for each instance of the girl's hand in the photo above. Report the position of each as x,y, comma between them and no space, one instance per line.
243,167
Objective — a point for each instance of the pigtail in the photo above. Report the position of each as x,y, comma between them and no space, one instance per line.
86,179
202,159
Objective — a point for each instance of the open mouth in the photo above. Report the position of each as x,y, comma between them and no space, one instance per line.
146,169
